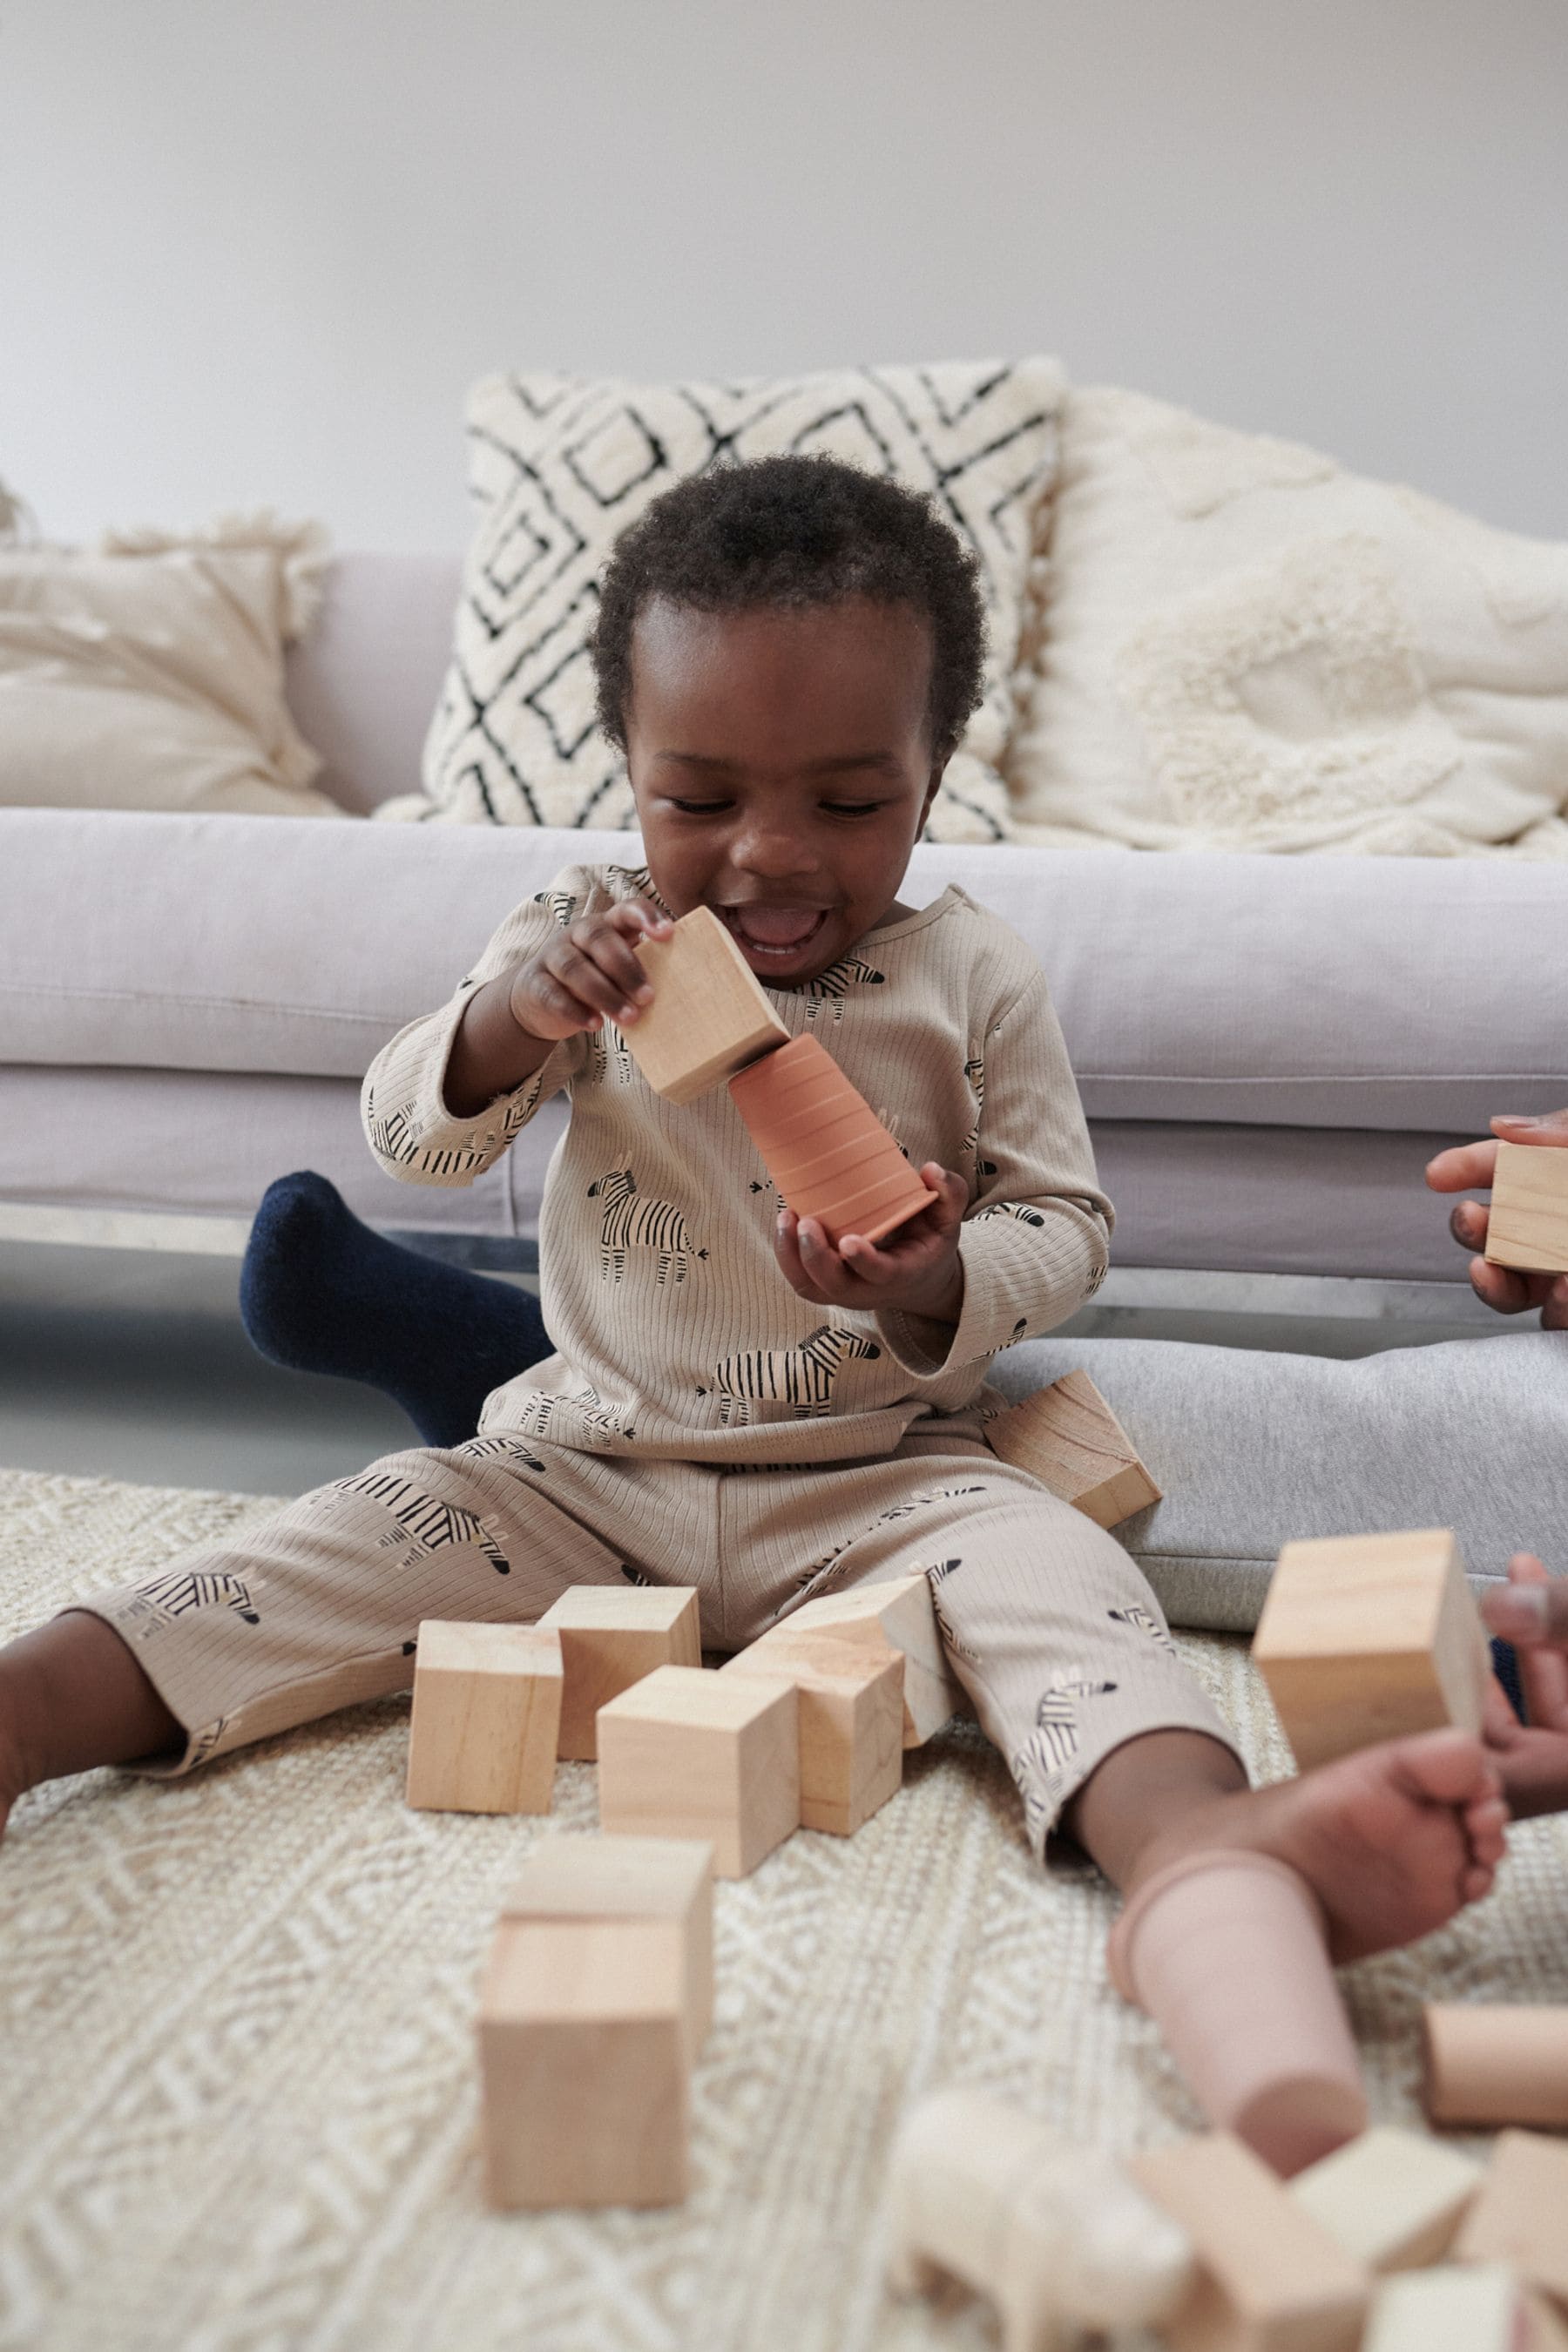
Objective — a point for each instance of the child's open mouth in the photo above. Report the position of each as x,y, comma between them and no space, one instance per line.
776,934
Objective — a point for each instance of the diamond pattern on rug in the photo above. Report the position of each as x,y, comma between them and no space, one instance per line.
237,2032
558,467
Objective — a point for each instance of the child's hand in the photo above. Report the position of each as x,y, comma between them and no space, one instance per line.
916,1269
1532,1758
591,972
1501,1286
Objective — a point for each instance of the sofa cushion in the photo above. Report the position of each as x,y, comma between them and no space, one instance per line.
560,466
1408,994
1247,646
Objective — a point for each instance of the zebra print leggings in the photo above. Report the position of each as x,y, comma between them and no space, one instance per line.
1050,1628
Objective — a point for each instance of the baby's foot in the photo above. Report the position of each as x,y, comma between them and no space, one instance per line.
1393,1840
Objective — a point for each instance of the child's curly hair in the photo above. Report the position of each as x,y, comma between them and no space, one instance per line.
797,532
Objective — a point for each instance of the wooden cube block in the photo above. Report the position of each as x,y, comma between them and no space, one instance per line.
1496,2064
1527,1225
1269,2278
693,1755
584,2063
1520,2215
709,1016
894,1615
611,1635
487,1713
1392,2198
852,1725
1485,2310
1068,1437
629,1878
1365,1638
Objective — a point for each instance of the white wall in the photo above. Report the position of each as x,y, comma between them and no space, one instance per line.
251,251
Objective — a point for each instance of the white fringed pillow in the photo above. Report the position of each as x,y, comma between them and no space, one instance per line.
149,673
1245,646
559,468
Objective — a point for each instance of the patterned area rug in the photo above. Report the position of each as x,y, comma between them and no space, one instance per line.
238,2105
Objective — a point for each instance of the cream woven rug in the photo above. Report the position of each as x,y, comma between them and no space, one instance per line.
237,2080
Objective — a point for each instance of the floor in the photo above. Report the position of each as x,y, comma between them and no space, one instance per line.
132,1364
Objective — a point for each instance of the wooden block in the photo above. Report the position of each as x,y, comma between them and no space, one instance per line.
487,1713
1498,2064
1484,2310
1068,1437
852,1725
629,1878
1392,2198
611,1635
1527,1225
584,2063
1520,2215
894,1615
709,1016
693,1755
1269,2278
1365,1638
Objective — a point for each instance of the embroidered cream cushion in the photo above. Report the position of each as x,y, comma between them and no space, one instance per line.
558,467
1247,647
149,675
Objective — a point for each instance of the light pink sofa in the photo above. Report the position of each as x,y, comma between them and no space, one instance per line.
1269,1048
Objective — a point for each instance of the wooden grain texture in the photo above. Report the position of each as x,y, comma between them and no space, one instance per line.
486,1718
1520,2214
599,1877
1269,2279
709,1016
611,1635
851,1724
895,1615
584,2063
1527,1225
1392,2198
1068,1437
689,1754
1489,2064
1365,1638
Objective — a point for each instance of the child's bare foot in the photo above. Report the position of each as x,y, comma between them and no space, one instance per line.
1394,1839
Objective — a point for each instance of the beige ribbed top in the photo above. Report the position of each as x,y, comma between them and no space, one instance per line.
678,1335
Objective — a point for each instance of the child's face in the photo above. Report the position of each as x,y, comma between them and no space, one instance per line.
782,770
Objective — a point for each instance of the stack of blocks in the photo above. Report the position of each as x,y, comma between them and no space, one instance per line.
597,1997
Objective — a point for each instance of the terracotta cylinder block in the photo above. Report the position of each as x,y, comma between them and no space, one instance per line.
826,1149
1496,2066
1226,1952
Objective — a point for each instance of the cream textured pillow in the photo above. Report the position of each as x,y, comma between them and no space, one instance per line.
559,468
149,675
1245,647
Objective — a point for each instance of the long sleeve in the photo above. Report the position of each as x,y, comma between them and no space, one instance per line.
402,1102
1035,1239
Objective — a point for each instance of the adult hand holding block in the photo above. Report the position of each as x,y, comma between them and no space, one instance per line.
1510,1282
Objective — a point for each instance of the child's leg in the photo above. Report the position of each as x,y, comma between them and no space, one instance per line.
320,1292
320,1606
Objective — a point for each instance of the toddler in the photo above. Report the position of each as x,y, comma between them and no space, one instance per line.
787,652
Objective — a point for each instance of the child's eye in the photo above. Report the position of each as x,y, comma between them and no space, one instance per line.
702,808
852,808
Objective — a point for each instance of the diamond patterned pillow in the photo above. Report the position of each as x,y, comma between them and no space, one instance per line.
558,467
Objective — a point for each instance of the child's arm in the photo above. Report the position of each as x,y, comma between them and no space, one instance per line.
444,1098
962,1282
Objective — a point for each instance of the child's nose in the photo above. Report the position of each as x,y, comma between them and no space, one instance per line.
773,851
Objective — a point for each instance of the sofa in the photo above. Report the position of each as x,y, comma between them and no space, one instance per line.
1269,1048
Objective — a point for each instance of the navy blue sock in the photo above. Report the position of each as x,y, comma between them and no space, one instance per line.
1505,1665
320,1292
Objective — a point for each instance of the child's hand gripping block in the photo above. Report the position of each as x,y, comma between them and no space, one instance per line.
709,1016
688,1754
487,1713
1068,1437
612,1635
1527,1225
826,1150
1365,1638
